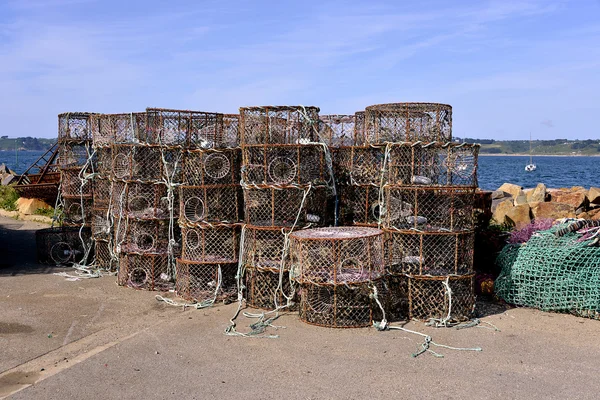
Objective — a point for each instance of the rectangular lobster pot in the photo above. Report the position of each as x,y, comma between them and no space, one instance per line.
263,246
77,211
201,281
429,297
61,245
359,165
408,122
146,163
76,154
142,236
143,200
108,129
337,255
262,288
211,167
433,164
188,129
428,208
360,204
74,126
210,204
104,256
145,271
75,182
430,253
337,130
279,125
210,244
280,206
285,164
393,294
231,131
102,191
102,228
339,306
104,161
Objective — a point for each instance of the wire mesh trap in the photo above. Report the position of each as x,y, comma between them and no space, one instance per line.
219,244
279,125
102,192
408,122
108,129
77,210
200,281
359,129
231,130
211,167
441,297
337,255
61,245
143,200
104,259
75,154
430,253
428,208
146,163
337,130
262,289
285,164
341,306
359,165
74,126
274,206
102,228
393,294
75,182
263,247
145,271
210,204
103,161
143,236
433,164
189,129
360,204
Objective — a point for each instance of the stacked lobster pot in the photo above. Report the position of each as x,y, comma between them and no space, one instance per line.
287,182
210,206
426,209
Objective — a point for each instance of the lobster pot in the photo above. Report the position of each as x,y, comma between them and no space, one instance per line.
337,130
200,281
210,204
102,228
428,208
262,288
360,138
207,244
231,130
104,162
75,182
108,129
77,210
273,206
263,247
393,294
61,245
279,125
359,165
429,297
285,164
408,122
144,271
188,129
430,253
143,200
102,192
74,127
103,255
211,167
75,154
146,163
433,164
340,306
337,255
360,204
142,236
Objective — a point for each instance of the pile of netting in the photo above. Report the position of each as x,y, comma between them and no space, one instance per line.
555,270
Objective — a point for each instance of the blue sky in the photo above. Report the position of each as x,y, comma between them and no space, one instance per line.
506,67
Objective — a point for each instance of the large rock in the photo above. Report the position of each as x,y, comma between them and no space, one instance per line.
552,210
29,206
510,188
594,195
574,199
594,214
519,215
8,179
501,210
521,198
538,194
498,194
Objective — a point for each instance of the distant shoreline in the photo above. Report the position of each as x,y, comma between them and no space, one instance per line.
538,155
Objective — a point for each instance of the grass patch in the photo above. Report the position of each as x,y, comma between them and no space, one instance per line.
8,198
46,212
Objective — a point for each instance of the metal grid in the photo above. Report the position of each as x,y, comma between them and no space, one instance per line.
360,204
263,247
77,211
199,281
61,245
145,163
103,256
102,192
142,200
101,224
433,164
144,271
75,154
430,298
262,288
279,125
273,206
189,129
231,130
74,126
143,236
72,185
408,122
428,208
210,204
337,130
359,165
337,255
219,244
108,129
211,167
430,253
285,164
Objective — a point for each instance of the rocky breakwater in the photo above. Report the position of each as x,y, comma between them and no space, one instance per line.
514,205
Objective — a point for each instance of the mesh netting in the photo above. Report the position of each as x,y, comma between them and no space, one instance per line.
103,256
104,161
74,127
61,245
261,288
278,125
219,244
552,273
210,204
428,208
102,192
337,130
359,165
360,204
145,163
285,164
198,281
143,235
72,185
263,247
144,271
429,297
231,130
269,206
429,253
108,129
408,122
76,210
359,129
337,255
141,200
101,224
190,129
211,167
393,294
74,154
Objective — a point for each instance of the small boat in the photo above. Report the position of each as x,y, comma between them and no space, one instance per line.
531,166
